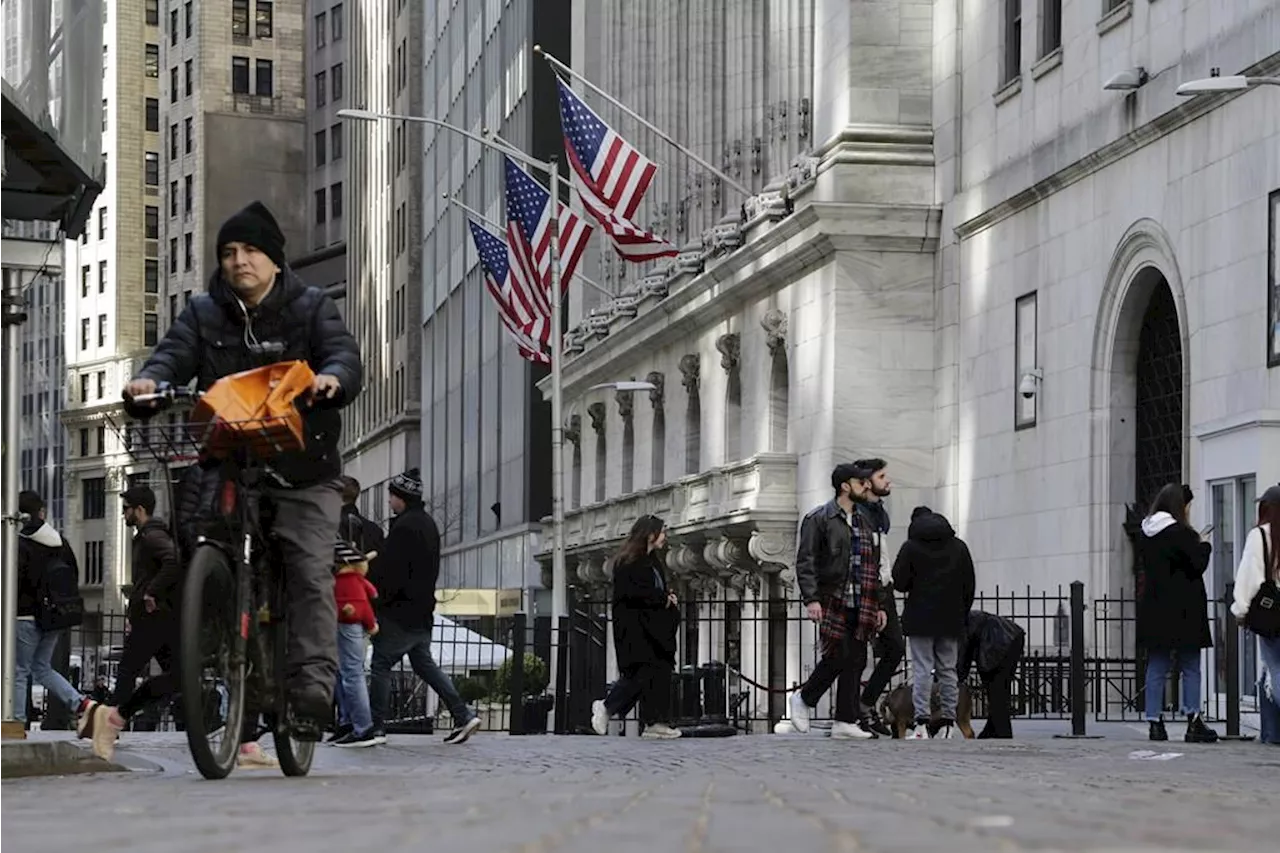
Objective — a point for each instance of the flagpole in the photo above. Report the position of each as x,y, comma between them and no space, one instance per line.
560,66
559,573
468,209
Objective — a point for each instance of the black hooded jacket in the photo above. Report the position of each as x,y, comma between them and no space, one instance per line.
407,570
935,570
212,339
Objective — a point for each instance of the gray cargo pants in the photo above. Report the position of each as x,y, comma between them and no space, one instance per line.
306,525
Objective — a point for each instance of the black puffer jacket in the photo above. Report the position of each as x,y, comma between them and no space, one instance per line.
935,570
157,569
212,338
407,570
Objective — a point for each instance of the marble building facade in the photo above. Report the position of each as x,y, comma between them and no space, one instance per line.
968,211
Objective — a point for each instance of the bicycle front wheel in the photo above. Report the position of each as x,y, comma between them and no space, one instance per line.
295,754
212,662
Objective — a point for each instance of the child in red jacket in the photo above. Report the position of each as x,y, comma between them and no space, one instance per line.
354,595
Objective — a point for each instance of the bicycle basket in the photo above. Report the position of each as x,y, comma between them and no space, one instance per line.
256,409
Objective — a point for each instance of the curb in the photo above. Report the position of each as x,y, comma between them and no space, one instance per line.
24,759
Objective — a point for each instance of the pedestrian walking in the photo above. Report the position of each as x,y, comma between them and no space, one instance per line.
1257,600
1172,609
888,646
935,570
356,623
48,604
364,535
994,645
405,575
646,618
838,571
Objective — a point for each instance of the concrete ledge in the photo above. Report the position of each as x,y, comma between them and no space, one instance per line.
51,758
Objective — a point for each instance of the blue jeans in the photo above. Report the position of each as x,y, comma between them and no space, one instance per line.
1159,663
392,643
34,654
352,691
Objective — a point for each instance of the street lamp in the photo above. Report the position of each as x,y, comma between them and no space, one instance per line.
1234,83
559,606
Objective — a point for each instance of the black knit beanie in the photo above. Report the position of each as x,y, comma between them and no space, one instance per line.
256,226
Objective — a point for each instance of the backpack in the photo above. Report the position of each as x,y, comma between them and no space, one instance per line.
1263,617
58,601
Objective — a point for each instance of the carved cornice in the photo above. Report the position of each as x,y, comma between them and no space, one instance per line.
774,323
596,411
691,372
730,347
659,383
626,404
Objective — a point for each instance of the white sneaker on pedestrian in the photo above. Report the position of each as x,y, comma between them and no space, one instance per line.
462,733
106,727
920,732
660,731
799,713
599,717
253,757
850,731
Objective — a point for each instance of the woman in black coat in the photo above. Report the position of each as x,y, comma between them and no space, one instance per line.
1173,609
645,621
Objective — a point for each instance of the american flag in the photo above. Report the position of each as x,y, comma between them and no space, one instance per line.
617,173
528,249
612,178
493,259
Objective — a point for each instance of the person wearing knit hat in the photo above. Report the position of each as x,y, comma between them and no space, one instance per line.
406,574
257,312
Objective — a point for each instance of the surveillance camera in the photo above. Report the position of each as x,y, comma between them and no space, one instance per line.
1027,386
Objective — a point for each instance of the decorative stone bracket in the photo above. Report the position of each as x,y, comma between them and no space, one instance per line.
573,430
596,411
659,383
691,372
730,347
626,404
774,323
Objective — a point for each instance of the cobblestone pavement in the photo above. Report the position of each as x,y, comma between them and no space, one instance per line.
783,794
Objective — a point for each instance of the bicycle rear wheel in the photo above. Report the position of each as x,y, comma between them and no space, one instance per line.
295,755
212,662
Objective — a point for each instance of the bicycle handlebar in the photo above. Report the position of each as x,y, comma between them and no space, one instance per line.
165,393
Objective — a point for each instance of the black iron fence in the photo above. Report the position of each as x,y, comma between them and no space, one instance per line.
740,656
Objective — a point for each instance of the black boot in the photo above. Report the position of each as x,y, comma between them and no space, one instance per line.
1157,731
871,722
1198,732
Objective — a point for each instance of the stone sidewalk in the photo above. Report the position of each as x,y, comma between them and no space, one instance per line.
766,793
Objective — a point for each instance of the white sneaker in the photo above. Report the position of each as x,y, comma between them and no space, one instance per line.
850,731
920,732
661,731
799,713
253,757
599,717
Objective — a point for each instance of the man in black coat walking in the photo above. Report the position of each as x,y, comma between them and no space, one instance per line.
935,570
257,312
406,574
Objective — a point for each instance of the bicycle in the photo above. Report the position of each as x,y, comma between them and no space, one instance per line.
233,626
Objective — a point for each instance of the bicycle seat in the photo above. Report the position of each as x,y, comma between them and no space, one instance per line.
255,409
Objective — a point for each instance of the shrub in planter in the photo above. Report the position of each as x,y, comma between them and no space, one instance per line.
536,677
471,690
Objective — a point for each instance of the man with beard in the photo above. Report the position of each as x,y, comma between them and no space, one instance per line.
889,647
838,571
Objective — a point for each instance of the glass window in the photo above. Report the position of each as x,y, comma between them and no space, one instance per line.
240,75
321,89
320,207
102,286
102,222
188,252
94,498
188,193
173,142
173,255
264,82
153,115
321,30
173,27
153,169
85,272
151,283
1233,514
152,222
173,85
262,19
320,148
336,73
335,142
173,198
240,18
152,8
188,130
190,22
150,329
152,60
335,200
102,327
189,77
336,22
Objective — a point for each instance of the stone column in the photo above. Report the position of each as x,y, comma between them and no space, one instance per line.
872,96
775,550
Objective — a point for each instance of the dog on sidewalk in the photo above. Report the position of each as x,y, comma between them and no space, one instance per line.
899,714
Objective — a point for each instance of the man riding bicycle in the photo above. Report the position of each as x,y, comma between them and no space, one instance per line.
256,312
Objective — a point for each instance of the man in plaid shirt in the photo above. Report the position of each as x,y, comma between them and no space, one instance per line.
838,571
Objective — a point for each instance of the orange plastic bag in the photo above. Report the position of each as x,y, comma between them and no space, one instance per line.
256,409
